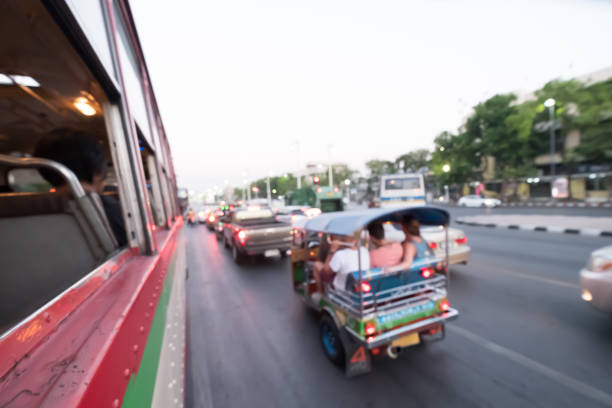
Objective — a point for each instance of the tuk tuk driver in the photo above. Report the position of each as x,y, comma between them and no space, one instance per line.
343,259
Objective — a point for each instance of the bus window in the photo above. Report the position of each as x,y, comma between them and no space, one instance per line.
400,190
407,183
56,225
153,185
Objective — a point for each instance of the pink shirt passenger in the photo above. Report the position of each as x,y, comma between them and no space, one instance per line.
389,254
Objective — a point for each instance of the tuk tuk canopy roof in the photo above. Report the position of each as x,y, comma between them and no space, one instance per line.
349,222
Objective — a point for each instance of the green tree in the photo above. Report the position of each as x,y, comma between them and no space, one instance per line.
458,153
414,160
379,167
594,119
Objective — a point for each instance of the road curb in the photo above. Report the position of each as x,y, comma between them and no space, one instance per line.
543,204
574,231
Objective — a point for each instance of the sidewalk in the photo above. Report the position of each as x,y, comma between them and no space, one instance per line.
595,226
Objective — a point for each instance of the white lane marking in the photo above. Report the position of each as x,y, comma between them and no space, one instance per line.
527,227
533,278
565,380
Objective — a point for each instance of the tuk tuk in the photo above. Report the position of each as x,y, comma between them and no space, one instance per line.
376,312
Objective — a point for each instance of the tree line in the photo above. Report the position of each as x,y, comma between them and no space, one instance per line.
501,138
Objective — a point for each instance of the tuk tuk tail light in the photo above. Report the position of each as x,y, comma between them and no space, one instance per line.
427,272
366,287
242,236
433,245
370,328
445,305
461,241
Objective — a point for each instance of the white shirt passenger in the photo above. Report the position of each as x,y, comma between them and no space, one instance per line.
345,261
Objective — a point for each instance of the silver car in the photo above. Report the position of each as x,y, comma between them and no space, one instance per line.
478,201
596,280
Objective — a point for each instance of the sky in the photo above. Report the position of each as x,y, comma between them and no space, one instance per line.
242,83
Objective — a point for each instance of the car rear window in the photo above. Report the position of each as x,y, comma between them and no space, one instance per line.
251,215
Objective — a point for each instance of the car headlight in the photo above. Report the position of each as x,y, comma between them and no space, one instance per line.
599,264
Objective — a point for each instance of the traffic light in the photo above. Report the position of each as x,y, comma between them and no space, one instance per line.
316,179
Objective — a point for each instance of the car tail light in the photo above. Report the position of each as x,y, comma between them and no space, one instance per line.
242,236
370,328
366,287
211,218
444,305
427,272
461,241
433,245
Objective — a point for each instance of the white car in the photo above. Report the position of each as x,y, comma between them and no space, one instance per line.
478,201
596,280
458,249
296,212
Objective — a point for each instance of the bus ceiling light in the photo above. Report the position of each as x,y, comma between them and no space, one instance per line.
445,305
84,106
23,80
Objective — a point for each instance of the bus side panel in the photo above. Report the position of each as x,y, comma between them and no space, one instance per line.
130,362
96,352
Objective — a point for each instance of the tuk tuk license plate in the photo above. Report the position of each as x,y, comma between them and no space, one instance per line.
271,252
409,340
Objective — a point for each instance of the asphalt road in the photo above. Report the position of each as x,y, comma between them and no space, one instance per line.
575,211
524,337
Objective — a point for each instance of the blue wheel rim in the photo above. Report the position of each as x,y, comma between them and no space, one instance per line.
330,341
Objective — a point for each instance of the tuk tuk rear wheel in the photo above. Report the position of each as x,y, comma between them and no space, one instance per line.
330,340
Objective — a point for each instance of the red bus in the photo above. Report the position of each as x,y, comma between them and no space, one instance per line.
92,263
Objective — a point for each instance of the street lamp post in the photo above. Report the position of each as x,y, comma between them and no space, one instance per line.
446,168
331,175
268,195
347,183
550,104
299,177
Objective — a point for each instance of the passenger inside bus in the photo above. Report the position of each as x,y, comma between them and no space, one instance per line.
384,253
82,154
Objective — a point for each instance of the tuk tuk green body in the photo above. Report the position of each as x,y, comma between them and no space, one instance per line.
376,313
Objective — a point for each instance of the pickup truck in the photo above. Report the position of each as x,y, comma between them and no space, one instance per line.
255,231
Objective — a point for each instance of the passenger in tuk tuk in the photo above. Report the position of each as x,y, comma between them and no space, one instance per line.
414,246
343,259
384,253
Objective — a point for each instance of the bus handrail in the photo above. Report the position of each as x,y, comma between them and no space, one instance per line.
36,162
